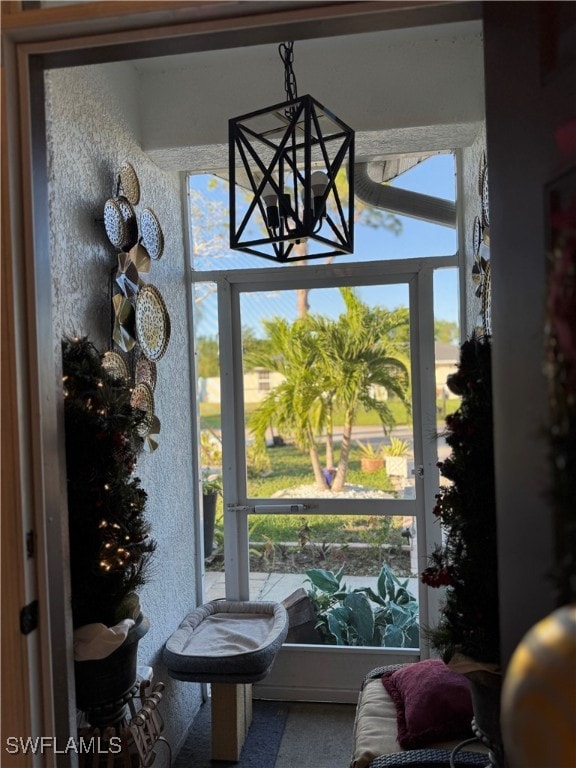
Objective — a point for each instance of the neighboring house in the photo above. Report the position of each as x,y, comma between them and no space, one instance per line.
446,362
258,382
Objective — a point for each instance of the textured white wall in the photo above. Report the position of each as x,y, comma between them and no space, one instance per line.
92,119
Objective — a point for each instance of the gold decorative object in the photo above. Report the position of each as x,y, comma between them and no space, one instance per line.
143,399
129,183
123,333
151,438
127,276
151,232
145,372
116,366
140,258
152,323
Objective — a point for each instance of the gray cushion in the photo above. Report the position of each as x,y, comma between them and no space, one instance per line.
227,641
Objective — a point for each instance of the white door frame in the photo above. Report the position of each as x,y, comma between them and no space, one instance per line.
296,675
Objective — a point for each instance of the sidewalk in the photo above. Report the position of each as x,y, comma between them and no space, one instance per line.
277,586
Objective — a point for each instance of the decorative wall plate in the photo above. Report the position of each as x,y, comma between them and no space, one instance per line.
145,372
131,222
114,223
483,189
143,399
120,223
476,236
114,363
129,182
151,232
152,323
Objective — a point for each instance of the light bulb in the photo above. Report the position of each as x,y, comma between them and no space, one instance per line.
271,201
318,183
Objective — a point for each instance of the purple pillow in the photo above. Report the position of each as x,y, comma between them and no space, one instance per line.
432,703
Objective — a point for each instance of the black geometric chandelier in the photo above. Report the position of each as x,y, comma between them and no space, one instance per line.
291,197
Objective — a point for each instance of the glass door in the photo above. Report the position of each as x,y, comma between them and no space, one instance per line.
326,466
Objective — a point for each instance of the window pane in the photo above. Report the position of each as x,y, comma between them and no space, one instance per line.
327,395
379,235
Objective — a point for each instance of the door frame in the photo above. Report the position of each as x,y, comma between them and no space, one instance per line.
284,682
76,35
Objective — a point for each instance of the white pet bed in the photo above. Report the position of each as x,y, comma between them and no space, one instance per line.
227,641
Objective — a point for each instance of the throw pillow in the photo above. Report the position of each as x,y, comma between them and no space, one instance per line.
432,703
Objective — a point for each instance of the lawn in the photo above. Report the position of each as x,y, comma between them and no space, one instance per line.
291,468
210,413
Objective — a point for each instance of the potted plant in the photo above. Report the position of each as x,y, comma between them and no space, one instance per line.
466,564
395,456
371,458
211,489
110,545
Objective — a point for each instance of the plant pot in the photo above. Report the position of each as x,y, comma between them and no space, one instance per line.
397,465
486,689
209,510
103,686
371,465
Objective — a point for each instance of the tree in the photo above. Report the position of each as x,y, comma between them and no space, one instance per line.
363,214
467,561
358,353
446,332
110,546
328,364
294,406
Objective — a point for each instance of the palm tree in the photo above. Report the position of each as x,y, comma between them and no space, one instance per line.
295,405
357,353
327,364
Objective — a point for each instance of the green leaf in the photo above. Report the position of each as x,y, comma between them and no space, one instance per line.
369,592
412,637
324,580
393,637
400,617
361,616
335,629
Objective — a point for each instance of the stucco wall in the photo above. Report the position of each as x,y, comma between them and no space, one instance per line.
92,120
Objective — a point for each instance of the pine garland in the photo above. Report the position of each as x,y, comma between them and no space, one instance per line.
466,564
110,546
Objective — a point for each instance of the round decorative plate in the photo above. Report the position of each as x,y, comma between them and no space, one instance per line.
143,399
152,323
151,231
476,236
129,182
145,372
131,223
114,363
114,224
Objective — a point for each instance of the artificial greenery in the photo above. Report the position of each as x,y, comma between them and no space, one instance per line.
110,546
466,563
386,618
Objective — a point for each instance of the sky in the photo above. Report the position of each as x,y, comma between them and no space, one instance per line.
435,176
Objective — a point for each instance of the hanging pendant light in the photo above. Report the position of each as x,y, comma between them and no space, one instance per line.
291,197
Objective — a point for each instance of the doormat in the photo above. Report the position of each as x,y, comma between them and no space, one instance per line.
260,748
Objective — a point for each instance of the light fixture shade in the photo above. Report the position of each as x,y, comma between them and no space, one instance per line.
280,209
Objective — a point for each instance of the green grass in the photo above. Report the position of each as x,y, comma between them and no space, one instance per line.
211,419
291,468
